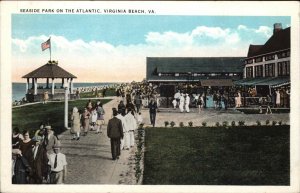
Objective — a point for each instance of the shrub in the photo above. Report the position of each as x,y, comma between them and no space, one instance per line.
241,123
258,123
279,122
190,123
233,123
166,123
217,124
181,124
274,123
172,124
267,122
225,123
204,124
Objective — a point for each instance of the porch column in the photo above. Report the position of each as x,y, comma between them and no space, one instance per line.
27,86
35,86
52,88
32,85
62,82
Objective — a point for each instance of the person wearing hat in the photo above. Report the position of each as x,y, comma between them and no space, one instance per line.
40,160
58,164
152,111
115,133
49,140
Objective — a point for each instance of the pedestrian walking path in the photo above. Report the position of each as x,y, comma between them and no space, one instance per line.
90,161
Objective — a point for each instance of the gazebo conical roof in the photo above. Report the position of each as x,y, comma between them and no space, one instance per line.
49,70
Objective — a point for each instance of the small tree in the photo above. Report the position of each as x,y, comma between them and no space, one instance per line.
274,123
258,123
241,123
225,123
217,124
181,124
166,123
279,122
190,123
204,124
267,122
233,123
172,124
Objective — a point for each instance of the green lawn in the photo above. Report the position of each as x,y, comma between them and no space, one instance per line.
109,92
217,156
30,117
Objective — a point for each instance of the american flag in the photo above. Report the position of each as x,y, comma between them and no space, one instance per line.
46,45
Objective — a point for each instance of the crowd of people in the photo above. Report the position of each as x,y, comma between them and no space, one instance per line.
37,160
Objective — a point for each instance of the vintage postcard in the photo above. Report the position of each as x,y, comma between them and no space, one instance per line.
149,96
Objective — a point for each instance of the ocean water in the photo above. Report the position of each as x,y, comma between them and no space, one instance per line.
19,89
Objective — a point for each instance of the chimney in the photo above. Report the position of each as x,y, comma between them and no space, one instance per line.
277,27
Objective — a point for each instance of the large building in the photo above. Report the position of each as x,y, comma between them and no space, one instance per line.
192,74
267,67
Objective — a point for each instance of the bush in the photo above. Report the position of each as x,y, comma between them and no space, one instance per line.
274,123
204,124
258,123
233,123
225,123
279,122
181,124
241,123
172,124
166,123
217,124
267,122
190,123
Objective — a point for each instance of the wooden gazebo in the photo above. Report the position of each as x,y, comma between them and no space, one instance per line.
50,71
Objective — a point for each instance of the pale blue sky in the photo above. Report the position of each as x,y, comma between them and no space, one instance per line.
127,29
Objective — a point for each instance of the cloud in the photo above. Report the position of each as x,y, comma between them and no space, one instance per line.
102,61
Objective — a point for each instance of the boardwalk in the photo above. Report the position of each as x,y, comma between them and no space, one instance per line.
89,159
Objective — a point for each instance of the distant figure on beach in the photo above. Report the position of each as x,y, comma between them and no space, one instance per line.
115,133
46,97
75,129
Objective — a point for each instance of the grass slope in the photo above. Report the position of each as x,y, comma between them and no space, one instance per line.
30,117
217,156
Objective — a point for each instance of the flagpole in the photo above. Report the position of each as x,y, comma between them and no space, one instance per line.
50,47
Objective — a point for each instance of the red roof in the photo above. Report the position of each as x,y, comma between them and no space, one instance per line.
49,70
280,40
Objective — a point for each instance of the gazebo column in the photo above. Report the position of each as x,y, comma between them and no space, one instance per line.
52,88
32,85
27,85
62,82
71,86
47,86
35,86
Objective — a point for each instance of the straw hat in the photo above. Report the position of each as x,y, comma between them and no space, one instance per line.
57,145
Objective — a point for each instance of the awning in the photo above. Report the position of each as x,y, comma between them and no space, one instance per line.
216,82
270,81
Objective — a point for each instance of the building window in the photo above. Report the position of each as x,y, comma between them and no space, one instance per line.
258,59
284,68
270,57
269,70
249,61
284,54
258,71
249,72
